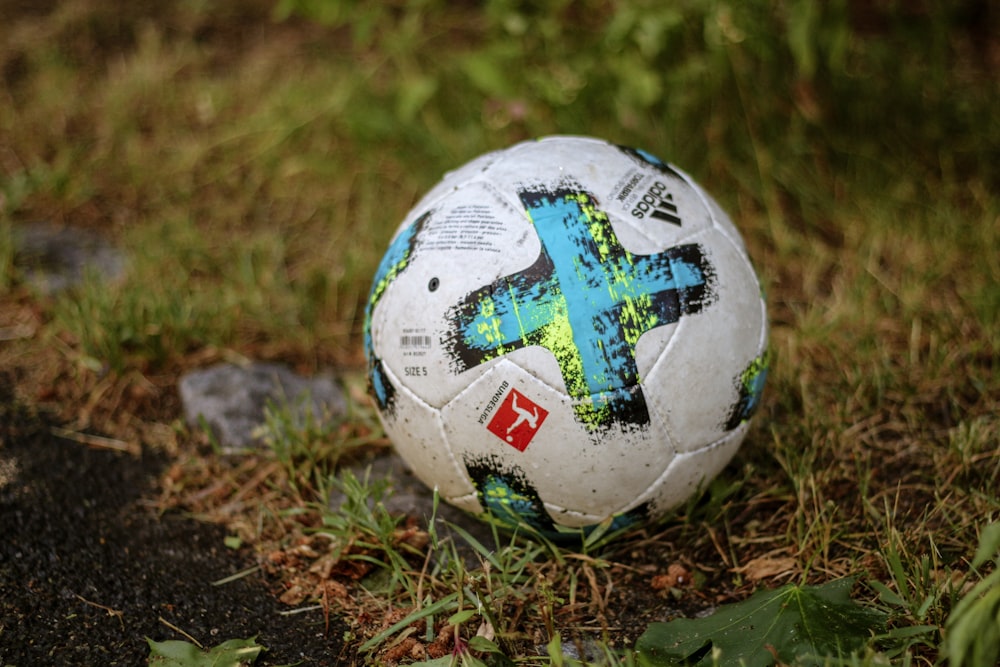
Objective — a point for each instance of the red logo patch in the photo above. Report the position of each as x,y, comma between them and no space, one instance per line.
517,420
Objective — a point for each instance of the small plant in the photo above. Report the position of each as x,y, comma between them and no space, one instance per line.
916,596
361,529
231,653
311,446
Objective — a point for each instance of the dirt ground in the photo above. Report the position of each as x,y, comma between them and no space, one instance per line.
88,570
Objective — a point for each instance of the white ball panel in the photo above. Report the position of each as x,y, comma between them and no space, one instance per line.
554,161
417,432
567,466
688,472
694,384
405,336
649,348
468,241
468,173
468,503
722,220
541,363
571,519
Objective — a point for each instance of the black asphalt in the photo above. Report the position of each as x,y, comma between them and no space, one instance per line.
88,570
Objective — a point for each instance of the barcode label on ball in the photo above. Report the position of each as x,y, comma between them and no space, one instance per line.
417,341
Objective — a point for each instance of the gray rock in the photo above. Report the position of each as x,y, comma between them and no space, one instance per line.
231,399
53,259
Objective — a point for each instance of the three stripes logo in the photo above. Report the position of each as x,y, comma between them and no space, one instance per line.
658,204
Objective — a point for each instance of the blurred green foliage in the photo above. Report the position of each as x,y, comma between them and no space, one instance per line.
306,128
711,84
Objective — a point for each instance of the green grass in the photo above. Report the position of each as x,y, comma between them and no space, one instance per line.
253,160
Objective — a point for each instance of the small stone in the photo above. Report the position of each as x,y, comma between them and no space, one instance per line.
231,399
53,259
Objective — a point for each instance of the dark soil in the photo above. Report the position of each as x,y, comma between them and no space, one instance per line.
88,570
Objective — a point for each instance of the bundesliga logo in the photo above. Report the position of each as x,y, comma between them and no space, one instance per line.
517,420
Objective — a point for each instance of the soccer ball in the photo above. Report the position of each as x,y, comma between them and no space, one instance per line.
566,334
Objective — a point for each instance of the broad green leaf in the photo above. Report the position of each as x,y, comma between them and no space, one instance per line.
972,631
444,661
794,624
989,545
174,653
483,645
460,617
887,595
